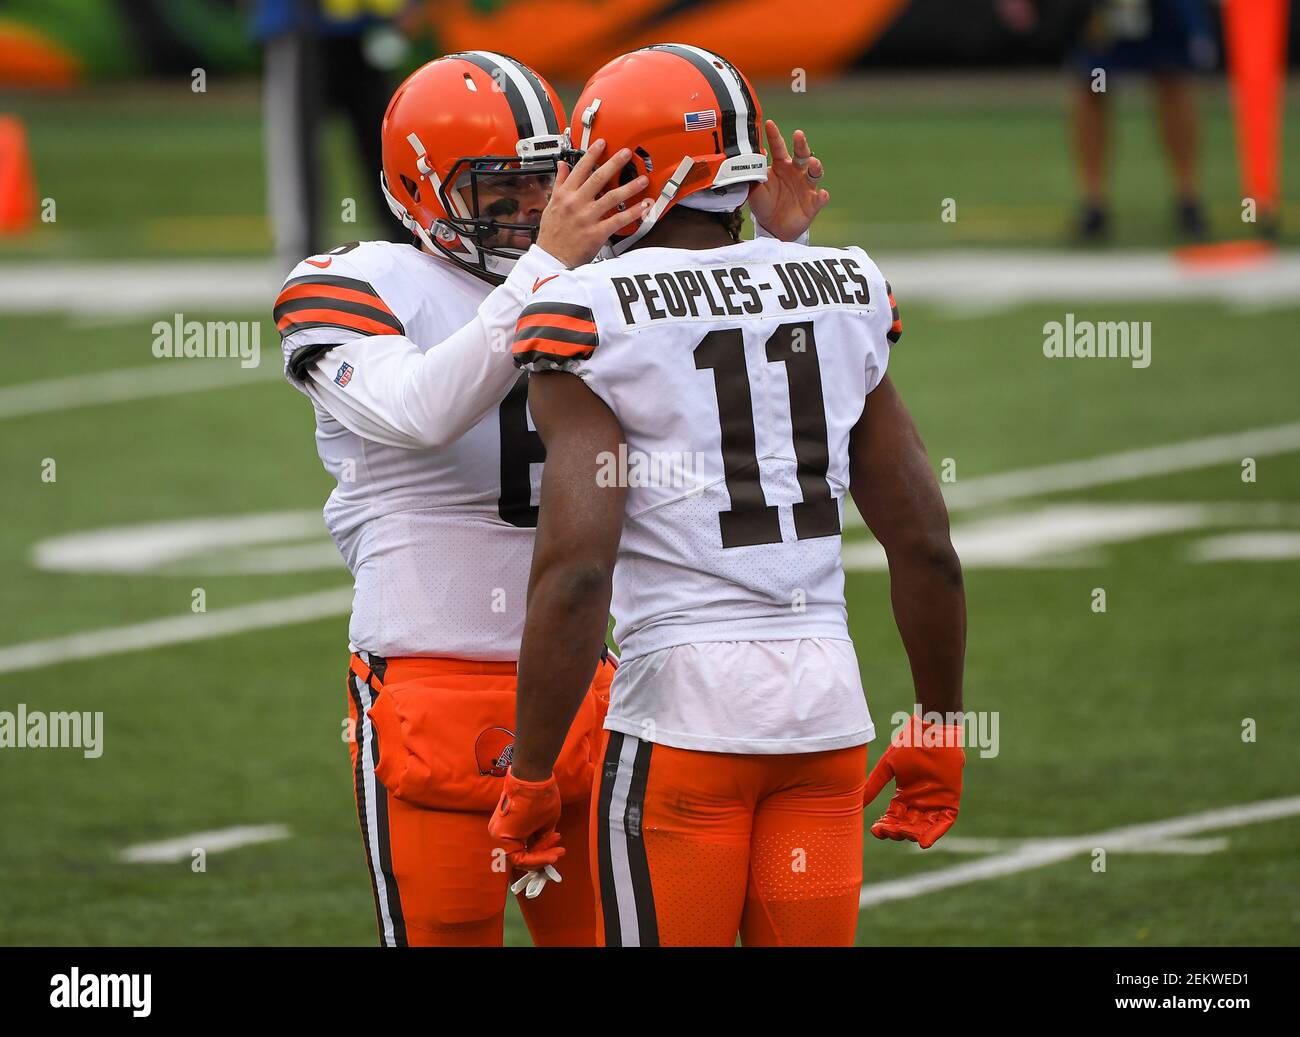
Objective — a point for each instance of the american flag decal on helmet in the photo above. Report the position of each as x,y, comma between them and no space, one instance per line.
707,120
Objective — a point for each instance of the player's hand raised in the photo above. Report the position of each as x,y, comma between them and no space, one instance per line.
791,198
582,214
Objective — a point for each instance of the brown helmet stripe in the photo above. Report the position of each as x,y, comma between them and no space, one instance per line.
726,105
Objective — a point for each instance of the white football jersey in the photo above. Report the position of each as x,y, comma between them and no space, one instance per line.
737,374
438,539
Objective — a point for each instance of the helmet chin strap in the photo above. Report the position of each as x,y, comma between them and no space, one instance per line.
407,220
650,219
498,266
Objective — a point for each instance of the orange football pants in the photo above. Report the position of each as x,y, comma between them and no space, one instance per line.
694,848
438,878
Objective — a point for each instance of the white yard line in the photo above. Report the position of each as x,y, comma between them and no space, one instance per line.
99,289
1252,547
987,279
1041,853
981,278
1072,532
122,385
174,630
1193,847
169,851
1124,466
152,546
1027,482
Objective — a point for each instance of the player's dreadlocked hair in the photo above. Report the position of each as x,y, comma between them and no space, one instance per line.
731,222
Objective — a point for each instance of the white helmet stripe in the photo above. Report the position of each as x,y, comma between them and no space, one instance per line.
738,100
527,88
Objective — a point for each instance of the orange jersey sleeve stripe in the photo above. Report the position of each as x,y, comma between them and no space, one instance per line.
555,320
555,333
558,309
895,331
322,300
334,317
324,291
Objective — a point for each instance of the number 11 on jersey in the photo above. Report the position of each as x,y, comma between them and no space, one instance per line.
752,520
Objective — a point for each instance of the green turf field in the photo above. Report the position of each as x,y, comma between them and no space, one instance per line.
1106,720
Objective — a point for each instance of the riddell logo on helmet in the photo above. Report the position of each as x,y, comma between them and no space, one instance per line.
494,750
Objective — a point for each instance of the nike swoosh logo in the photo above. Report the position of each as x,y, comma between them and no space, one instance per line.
542,280
326,263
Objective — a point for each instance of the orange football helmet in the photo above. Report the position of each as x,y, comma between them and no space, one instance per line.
453,122
690,117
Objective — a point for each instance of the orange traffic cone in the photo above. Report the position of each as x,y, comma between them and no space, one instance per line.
1255,37
17,187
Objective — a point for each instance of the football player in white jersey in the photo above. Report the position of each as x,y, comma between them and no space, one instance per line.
705,404
421,417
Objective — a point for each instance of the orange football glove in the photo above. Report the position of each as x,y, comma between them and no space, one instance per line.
524,822
926,761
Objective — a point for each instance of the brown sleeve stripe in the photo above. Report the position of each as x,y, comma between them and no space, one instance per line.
325,291
332,281
554,320
565,341
554,332
358,306
340,302
320,313
561,309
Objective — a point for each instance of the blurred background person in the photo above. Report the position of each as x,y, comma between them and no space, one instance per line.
1168,41
322,57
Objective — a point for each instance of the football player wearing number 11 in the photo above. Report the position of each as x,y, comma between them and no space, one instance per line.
729,798
421,417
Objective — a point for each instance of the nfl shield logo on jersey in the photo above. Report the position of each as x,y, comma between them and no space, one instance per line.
345,374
